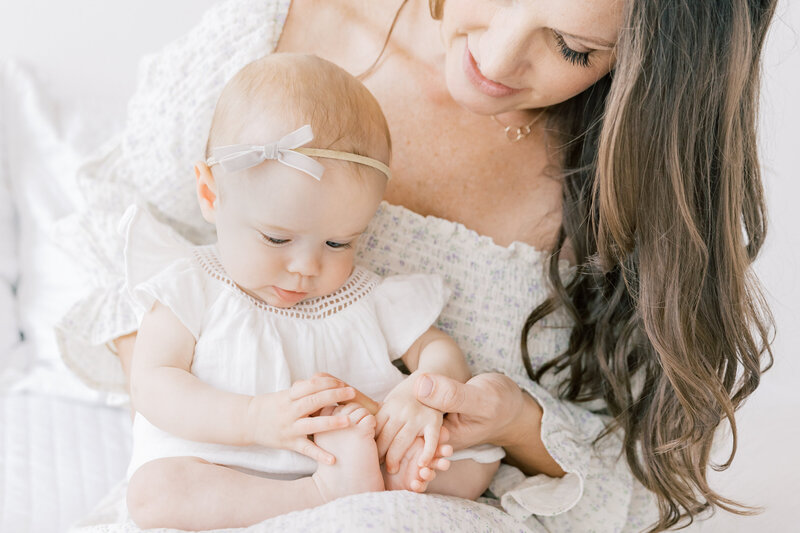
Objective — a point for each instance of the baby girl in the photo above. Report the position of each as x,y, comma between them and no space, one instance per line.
258,357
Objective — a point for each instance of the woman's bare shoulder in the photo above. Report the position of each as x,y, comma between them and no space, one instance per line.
316,27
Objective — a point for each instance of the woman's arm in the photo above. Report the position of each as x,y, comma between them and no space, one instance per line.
491,408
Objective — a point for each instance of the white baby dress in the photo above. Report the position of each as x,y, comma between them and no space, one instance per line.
245,346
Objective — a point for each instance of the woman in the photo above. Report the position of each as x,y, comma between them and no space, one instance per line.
586,169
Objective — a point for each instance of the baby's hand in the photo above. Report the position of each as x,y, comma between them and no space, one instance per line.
402,419
411,476
285,419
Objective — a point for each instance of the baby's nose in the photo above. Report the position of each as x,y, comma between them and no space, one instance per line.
306,263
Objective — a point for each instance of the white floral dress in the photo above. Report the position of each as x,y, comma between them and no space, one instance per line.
494,289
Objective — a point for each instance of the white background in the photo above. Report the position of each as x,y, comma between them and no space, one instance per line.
86,52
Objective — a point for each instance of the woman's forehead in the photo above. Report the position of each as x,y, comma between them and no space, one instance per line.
599,20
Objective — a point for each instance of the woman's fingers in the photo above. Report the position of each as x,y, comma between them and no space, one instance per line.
306,405
320,424
447,395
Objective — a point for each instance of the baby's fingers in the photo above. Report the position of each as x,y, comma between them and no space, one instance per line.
309,449
310,404
440,463
431,435
319,424
319,382
399,447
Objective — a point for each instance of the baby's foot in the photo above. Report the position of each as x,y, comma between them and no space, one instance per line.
356,468
411,476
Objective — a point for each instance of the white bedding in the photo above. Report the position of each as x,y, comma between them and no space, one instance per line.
58,458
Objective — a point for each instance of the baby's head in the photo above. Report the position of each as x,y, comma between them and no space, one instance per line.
283,235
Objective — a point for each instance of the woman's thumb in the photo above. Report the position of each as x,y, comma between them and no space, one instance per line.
441,393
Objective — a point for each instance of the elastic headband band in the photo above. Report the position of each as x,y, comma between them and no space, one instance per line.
236,157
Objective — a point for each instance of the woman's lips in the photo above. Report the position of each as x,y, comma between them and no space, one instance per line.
289,296
481,82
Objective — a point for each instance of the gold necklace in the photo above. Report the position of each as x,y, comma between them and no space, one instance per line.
517,133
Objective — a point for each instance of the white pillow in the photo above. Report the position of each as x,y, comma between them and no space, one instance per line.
11,364
44,145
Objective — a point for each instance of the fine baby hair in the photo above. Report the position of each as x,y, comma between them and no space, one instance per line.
292,106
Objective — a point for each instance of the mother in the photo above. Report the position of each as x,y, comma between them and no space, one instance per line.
588,176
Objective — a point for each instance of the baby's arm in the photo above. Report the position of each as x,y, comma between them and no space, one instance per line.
402,418
436,352
164,390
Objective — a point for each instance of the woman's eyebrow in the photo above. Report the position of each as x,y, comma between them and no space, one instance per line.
593,40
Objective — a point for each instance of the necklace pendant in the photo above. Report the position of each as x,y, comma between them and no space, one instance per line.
517,134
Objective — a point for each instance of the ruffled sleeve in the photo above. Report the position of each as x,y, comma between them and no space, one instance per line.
150,164
598,483
160,266
406,306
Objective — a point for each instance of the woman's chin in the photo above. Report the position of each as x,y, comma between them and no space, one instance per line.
471,99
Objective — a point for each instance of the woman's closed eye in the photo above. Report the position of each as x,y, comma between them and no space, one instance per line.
580,59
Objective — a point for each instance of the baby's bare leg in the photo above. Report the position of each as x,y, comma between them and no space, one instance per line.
189,493
192,494
465,478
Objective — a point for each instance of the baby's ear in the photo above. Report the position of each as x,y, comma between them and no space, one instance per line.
206,191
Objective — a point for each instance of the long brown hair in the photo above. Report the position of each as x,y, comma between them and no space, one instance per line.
664,210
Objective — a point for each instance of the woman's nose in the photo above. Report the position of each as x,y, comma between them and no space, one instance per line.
504,51
305,262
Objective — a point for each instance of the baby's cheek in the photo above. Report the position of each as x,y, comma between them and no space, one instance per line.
340,270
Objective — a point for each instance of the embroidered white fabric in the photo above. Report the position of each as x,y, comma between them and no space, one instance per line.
494,289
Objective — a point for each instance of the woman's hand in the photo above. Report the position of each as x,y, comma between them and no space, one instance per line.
482,410
490,408
286,418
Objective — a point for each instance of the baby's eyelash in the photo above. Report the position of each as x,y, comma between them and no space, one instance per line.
337,245
576,58
273,240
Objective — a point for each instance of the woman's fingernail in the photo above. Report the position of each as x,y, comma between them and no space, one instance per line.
424,387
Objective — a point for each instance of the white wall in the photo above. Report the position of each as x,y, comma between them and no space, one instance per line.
87,51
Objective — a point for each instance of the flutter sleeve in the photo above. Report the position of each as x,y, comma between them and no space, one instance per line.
406,306
150,163
160,266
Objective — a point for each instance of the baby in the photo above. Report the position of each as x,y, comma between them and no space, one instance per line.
251,351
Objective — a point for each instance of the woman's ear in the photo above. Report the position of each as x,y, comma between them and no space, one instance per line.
206,188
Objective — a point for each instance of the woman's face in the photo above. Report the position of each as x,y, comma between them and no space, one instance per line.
506,55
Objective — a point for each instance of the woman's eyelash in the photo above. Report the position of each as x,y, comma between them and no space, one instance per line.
576,58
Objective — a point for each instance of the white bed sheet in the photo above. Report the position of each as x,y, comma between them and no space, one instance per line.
58,459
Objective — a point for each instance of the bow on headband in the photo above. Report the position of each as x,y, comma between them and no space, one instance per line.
236,157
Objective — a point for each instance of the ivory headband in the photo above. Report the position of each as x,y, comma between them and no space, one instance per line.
236,157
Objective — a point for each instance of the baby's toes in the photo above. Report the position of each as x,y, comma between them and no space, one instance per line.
365,421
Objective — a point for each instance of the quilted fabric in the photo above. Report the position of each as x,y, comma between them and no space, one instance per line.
58,458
